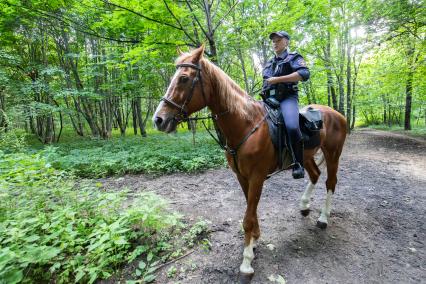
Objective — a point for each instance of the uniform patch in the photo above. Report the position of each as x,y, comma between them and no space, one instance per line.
301,62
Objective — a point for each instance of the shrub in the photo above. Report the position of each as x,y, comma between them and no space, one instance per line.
156,154
12,140
55,227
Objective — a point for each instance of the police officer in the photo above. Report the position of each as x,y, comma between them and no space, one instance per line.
281,75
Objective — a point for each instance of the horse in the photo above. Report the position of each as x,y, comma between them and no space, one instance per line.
198,83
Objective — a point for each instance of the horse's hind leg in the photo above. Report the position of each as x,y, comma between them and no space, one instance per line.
332,166
314,173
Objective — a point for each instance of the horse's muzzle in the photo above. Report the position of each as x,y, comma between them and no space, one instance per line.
165,124
158,121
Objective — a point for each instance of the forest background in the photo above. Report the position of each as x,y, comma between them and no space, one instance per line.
79,81
95,66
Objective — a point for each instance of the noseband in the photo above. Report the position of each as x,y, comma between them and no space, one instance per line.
183,114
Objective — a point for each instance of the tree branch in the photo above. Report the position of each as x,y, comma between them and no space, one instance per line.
141,15
179,23
196,19
77,26
223,18
217,9
47,16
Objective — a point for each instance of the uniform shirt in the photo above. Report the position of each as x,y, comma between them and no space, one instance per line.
285,64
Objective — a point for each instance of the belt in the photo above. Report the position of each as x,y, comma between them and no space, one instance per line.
279,94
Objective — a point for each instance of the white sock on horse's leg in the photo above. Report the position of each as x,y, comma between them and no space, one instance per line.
248,256
306,197
326,209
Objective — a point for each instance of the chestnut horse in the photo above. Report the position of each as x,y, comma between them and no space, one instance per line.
198,83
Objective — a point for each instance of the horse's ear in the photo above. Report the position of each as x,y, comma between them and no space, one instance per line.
179,51
198,54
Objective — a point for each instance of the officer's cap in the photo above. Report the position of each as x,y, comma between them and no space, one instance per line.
280,34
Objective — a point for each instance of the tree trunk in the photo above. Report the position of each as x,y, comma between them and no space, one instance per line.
353,117
409,87
341,43
408,98
119,116
142,123
341,95
49,134
348,80
134,117
139,117
62,48
385,121
3,118
331,91
340,79
243,68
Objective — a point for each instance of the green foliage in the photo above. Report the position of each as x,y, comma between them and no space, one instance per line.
419,131
196,233
171,272
54,228
12,140
158,153
94,61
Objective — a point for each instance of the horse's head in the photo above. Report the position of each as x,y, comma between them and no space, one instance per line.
186,93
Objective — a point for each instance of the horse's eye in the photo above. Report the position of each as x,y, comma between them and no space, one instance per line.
183,79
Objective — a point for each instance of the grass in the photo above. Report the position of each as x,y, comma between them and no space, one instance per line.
416,131
156,154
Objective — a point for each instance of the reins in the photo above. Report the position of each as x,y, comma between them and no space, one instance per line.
183,115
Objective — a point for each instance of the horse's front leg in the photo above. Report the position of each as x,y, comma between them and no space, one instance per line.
251,225
244,185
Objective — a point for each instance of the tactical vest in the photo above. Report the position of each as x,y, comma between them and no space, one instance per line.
276,68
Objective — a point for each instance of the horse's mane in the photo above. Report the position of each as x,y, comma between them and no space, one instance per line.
234,98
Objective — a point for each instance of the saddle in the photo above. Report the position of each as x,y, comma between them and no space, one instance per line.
310,121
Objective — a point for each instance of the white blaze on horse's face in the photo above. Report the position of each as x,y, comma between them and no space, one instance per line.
163,117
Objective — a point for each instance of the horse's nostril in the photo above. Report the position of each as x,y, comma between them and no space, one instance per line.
158,120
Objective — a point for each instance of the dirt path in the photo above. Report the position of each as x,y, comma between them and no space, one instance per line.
376,231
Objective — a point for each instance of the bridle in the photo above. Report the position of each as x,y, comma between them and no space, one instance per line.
183,114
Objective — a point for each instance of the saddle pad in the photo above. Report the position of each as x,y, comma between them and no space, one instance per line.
310,115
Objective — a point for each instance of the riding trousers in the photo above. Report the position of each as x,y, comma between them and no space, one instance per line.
290,110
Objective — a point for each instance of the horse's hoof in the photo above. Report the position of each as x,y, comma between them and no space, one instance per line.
321,225
245,278
305,212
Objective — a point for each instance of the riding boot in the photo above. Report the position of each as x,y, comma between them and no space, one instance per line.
298,170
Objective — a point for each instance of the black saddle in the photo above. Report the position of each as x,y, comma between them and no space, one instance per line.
310,121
